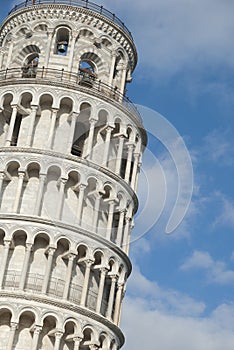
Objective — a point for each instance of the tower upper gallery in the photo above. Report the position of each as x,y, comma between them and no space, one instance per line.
67,34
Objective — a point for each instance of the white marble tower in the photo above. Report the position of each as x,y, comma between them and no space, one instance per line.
70,150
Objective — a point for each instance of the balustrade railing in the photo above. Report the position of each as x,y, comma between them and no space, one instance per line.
79,3
77,80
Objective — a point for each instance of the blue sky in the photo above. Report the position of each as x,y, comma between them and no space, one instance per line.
180,294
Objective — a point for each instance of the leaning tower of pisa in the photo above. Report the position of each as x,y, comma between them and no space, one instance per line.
70,151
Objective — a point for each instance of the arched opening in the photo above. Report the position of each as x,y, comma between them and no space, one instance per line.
62,40
5,324
81,130
47,335
24,333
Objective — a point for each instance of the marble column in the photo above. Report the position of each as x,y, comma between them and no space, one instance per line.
25,266
126,233
135,169
11,126
18,191
36,333
77,341
48,270
10,50
63,182
120,227
129,162
84,293
103,272
39,197
32,119
72,131
80,203
58,337
119,154
96,212
52,127
2,177
89,148
111,297
118,301
123,79
68,275
107,145
13,329
110,219
7,244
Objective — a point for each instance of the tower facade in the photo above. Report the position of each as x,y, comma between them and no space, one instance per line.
70,150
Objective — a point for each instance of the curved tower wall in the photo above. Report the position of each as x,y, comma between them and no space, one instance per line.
70,150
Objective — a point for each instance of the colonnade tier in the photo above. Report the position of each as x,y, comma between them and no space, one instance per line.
90,128
40,31
74,193
92,279
36,327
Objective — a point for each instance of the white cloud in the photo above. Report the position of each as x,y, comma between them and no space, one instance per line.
147,328
156,318
162,299
217,271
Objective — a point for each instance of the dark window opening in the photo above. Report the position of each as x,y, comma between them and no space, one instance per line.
16,130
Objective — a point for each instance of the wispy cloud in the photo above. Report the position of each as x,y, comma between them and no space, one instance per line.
216,270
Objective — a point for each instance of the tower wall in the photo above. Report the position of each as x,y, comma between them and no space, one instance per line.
70,150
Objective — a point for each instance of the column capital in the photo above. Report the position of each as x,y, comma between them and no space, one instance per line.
58,334
89,262
14,326
37,329
29,246
7,243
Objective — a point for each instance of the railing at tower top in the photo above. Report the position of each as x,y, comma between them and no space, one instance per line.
92,84
79,3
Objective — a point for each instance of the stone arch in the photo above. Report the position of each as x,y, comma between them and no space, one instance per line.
5,325
15,259
90,195
5,115
70,330
59,268
38,262
90,335
61,39
40,27
43,120
63,124
50,322
27,54
28,198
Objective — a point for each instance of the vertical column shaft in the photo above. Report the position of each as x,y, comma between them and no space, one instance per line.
111,297
118,301
134,171
11,336
110,219
90,138
48,270
61,198
52,127
126,233
129,163
80,203
39,197
86,282
103,272
119,154
2,177
72,131
68,275
18,192
31,126
120,228
4,260
11,126
25,266
96,212
107,146
36,333
123,79
10,50
58,336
